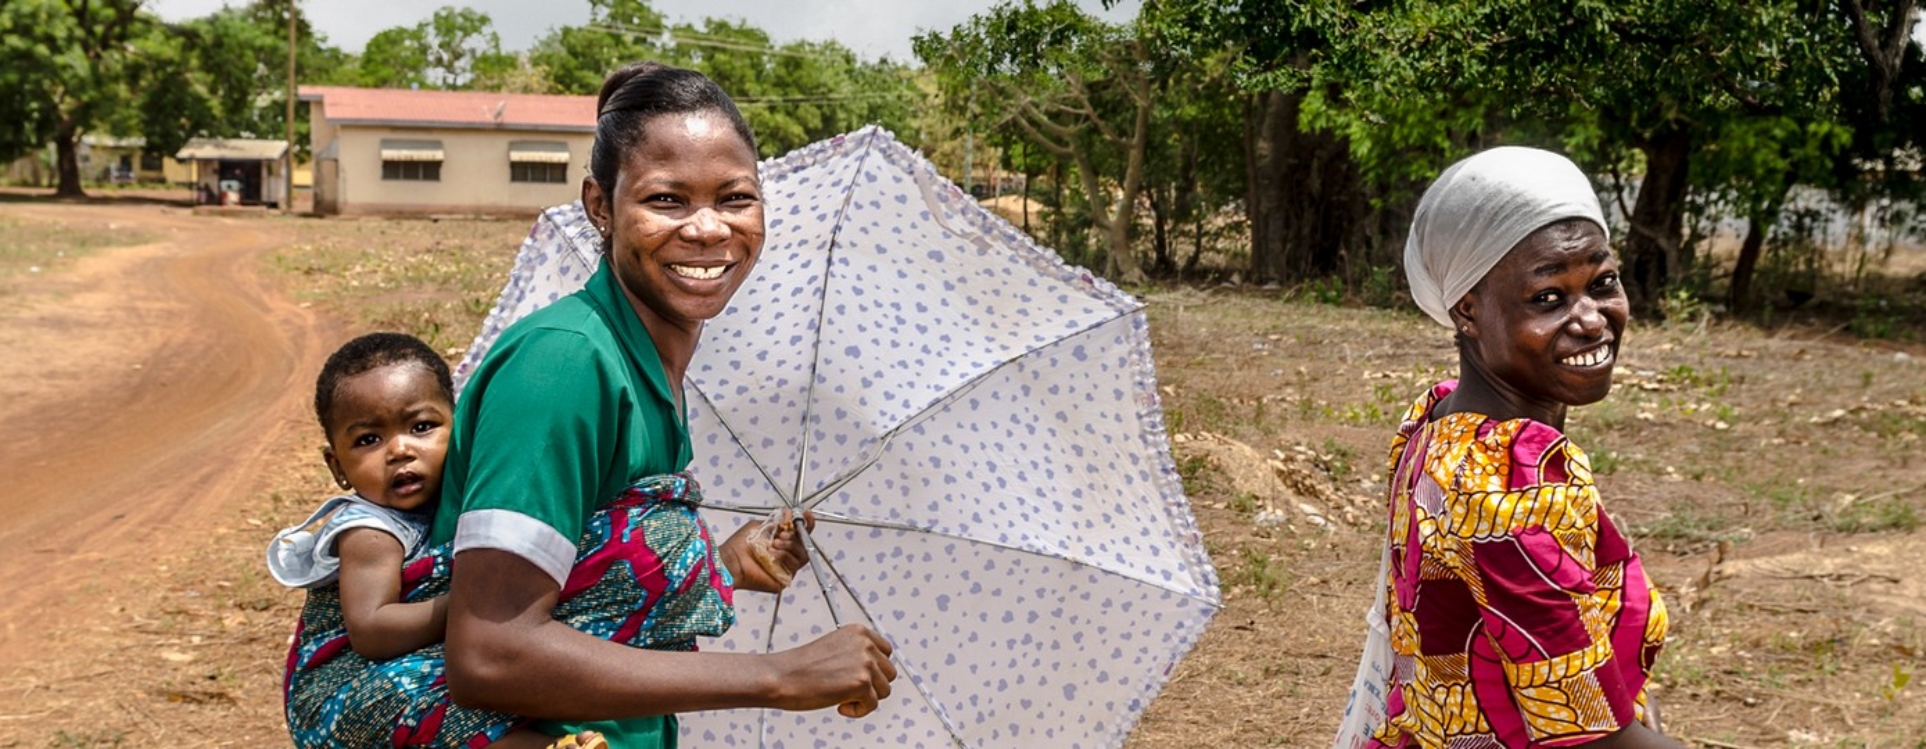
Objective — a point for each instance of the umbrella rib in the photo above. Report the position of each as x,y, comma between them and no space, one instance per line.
931,410
822,315
733,437
956,735
831,517
942,715
829,596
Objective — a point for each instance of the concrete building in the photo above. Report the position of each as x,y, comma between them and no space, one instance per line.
107,159
103,160
236,171
402,151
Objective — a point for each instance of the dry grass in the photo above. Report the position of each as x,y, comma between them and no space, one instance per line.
1794,447
34,246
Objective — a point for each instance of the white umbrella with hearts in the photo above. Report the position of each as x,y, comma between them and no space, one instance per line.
976,426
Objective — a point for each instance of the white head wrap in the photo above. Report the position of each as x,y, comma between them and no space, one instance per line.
1478,210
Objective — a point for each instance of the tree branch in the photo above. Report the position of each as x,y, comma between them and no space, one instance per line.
1082,93
1136,74
1869,45
1884,57
1897,28
1030,130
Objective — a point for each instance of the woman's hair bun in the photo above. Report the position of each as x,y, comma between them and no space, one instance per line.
620,77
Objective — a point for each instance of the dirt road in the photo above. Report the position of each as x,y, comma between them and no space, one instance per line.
138,389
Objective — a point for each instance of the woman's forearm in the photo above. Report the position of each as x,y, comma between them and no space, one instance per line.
506,653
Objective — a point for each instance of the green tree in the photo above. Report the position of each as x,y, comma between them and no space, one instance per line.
174,100
511,73
395,57
1649,83
452,49
238,64
577,58
240,59
457,42
64,70
1076,87
796,93
1309,202
791,94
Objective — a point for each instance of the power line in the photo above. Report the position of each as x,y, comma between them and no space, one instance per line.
694,39
815,98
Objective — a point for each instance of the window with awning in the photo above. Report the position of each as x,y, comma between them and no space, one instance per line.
411,160
538,161
397,149
537,152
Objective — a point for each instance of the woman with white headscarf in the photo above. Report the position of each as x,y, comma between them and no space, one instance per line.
1512,611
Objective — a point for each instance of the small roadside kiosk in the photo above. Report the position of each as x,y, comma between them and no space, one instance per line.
237,171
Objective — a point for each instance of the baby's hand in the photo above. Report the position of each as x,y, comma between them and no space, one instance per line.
775,548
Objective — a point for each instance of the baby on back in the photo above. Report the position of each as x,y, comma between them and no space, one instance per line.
385,402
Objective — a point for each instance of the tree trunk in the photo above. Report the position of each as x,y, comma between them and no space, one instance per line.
1196,246
1653,250
1883,47
1307,199
1739,297
1265,128
1183,201
1160,262
1057,213
67,160
1123,266
1029,178
1758,225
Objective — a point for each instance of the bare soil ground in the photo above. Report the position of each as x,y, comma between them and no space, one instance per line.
153,434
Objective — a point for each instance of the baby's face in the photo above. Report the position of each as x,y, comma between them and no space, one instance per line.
390,436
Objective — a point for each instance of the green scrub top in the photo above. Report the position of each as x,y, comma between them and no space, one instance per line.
569,408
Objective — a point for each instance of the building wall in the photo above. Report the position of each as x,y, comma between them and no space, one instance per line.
474,171
327,171
176,172
327,201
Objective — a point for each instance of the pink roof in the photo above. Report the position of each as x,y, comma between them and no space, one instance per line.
457,109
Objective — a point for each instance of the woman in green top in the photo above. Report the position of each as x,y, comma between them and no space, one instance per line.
582,400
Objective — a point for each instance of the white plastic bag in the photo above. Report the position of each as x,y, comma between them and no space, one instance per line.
1366,709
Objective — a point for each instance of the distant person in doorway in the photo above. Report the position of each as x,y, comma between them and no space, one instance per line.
1517,613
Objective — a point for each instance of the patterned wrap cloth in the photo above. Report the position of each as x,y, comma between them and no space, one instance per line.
1519,615
647,573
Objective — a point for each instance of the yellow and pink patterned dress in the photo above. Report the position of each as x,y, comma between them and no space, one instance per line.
1519,615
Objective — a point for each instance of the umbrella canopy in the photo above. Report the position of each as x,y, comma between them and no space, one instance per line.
976,426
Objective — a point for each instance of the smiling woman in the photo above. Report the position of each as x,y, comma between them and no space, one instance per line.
596,380
1513,612
578,573
680,245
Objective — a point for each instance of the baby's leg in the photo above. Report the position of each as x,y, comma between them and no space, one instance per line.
527,739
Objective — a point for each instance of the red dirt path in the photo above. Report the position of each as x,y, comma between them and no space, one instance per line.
139,388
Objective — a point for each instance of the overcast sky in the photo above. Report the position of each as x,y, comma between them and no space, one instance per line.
873,28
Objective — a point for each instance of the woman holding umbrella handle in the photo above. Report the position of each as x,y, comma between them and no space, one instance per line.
581,400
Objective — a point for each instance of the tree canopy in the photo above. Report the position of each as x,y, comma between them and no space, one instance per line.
1288,139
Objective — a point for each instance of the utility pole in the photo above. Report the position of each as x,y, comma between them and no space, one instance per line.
287,195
